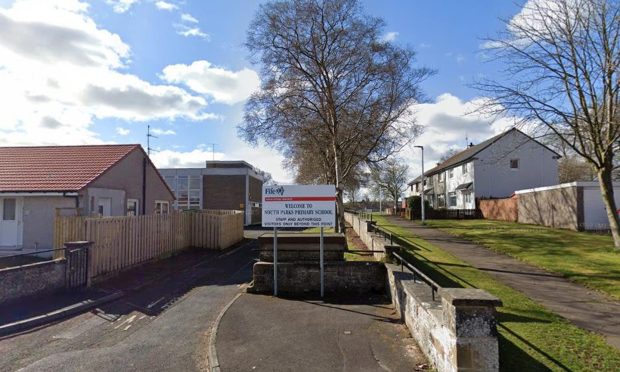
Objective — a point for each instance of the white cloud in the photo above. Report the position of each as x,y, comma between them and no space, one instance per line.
450,123
223,85
122,131
45,47
264,158
390,36
186,17
164,5
163,132
121,6
537,18
194,31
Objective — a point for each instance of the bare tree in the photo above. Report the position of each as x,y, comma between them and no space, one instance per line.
391,176
448,154
562,61
330,82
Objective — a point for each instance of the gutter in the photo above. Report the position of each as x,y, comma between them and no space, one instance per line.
39,193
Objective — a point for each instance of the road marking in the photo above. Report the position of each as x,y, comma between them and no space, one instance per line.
128,320
154,303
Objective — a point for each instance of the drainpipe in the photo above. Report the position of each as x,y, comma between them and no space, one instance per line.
144,185
77,200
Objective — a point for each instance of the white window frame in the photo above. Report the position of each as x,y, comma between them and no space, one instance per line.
452,194
451,172
137,210
464,168
159,207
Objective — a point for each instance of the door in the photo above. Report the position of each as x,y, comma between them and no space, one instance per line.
104,206
10,222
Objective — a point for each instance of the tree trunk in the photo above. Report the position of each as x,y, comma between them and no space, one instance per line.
607,192
340,223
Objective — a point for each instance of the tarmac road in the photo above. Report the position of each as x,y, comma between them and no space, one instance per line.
163,326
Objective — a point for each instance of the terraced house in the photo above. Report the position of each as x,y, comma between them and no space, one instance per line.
494,168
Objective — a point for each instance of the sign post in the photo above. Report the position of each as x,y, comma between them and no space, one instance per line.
275,261
298,206
322,263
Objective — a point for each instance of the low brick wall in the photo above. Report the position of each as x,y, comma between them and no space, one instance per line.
33,279
500,209
302,278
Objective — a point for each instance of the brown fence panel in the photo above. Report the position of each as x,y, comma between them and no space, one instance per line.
500,209
67,229
123,242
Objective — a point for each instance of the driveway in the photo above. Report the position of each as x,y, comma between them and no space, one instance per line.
163,326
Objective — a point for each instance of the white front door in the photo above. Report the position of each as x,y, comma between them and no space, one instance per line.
104,206
10,222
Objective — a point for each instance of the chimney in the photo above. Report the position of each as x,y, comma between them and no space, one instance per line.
471,144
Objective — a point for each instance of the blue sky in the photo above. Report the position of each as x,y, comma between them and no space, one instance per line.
180,67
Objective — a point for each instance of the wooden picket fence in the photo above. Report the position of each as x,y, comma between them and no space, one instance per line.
123,242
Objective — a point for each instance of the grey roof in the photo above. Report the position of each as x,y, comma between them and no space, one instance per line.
470,152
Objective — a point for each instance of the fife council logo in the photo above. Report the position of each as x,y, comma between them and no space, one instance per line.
274,190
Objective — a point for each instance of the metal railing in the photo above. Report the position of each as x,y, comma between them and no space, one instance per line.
5,261
417,273
394,238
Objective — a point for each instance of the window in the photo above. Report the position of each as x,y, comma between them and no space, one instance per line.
441,201
514,163
467,197
132,207
464,168
452,199
161,207
451,173
8,210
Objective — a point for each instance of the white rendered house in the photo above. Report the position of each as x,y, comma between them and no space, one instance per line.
494,168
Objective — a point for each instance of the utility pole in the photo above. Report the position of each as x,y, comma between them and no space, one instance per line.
422,181
148,140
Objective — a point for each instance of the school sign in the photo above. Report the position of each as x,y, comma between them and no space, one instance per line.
299,206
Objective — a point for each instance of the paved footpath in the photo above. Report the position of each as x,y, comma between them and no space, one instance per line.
585,308
264,333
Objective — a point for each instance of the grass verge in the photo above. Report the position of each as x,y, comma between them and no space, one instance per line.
586,258
531,338
352,244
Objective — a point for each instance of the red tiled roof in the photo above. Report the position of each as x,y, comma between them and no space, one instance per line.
56,168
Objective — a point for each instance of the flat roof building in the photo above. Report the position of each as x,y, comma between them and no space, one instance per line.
219,185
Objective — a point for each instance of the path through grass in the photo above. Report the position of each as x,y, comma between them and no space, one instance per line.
585,258
531,338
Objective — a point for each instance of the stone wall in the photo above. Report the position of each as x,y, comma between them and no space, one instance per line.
363,228
457,330
30,280
302,278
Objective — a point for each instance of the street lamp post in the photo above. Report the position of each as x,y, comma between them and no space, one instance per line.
422,181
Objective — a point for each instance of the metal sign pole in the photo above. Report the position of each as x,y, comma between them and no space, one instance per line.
322,264
275,261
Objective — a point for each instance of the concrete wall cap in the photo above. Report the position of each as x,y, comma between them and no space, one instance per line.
469,297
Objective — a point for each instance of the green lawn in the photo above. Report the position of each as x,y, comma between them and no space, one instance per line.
585,258
531,338
350,244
